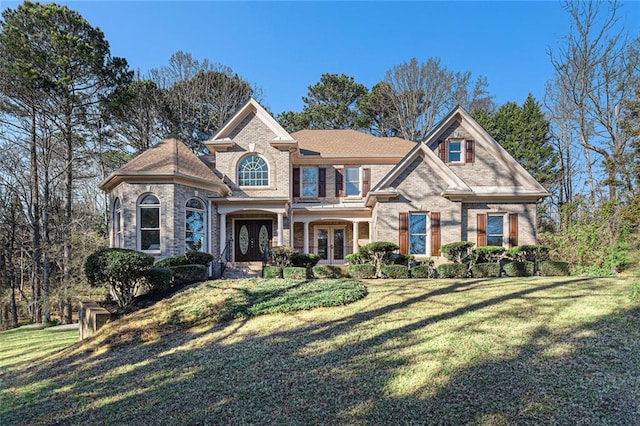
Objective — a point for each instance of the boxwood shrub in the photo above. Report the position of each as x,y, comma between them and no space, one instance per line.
295,273
272,272
452,270
362,271
171,261
553,268
305,260
518,269
484,270
198,258
327,271
422,271
159,279
395,271
187,274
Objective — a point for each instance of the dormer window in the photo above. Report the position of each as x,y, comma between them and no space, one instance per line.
253,171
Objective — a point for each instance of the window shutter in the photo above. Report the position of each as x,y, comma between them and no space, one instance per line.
482,230
339,184
366,181
296,181
469,150
322,182
513,229
443,151
435,234
403,233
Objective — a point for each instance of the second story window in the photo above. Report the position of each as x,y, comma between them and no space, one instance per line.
455,151
309,182
352,181
253,171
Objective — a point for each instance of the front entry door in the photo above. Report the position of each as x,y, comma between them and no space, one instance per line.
330,244
252,239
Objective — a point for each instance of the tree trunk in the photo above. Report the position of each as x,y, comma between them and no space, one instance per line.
36,313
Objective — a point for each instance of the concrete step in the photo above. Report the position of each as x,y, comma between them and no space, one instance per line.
242,270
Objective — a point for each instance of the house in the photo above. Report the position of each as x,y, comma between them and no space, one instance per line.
322,191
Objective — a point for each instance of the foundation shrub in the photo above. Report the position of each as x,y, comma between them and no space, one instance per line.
395,271
362,271
327,271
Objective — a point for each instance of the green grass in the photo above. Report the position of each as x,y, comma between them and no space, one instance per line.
484,351
20,346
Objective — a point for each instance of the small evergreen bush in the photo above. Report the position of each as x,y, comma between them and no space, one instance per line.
395,271
422,271
295,273
488,254
327,271
379,253
362,271
452,270
281,255
159,279
456,252
484,270
198,258
305,260
187,274
272,272
170,261
553,268
518,269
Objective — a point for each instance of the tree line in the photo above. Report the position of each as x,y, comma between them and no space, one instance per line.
70,113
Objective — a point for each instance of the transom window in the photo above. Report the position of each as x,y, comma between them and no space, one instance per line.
149,214
253,171
117,223
195,225
352,181
455,151
309,182
495,230
418,233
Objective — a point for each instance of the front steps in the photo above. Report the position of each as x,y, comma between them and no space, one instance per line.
234,270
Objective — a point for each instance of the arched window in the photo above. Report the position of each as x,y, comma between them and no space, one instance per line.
195,225
253,171
149,214
117,224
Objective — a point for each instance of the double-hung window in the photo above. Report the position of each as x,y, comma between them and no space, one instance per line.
149,213
418,233
117,224
495,230
352,181
455,151
310,182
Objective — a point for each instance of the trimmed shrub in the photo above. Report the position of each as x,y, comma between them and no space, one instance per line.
362,271
187,274
305,260
452,270
327,271
379,253
281,255
198,258
422,271
272,272
357,258
518,269
159,279
553,268
488,254
295,273
484,270
402,259
395,271
122,270
170,261
531,253
456,252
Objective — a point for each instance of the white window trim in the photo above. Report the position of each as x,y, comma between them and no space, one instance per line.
359,194
463,151
268,185
427,235
139,223
204,222
316,183
505,228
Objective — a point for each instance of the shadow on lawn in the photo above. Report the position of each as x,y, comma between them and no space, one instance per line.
587,374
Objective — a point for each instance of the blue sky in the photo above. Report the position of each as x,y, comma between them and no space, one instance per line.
283,47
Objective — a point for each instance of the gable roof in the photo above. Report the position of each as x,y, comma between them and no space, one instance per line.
349,143
169,159
221,137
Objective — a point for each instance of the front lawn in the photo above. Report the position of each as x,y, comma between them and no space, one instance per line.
484,351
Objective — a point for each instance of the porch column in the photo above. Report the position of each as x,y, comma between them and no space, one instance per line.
280,228
223,235
370,233
305,243
355,237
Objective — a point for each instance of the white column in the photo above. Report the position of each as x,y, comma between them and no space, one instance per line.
355,237
306,237
223,234
280,228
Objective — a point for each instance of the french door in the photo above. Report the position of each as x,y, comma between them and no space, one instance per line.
330,244
252,239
